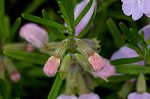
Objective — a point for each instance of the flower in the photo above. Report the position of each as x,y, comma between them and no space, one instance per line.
51,66
78,9
106,72
135,95
63,96
34,34
136,8
89,96
96,61
15,76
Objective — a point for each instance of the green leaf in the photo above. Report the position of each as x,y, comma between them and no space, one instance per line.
27,56
120,78
129,35
126,60
115,32
53,30
43,21
55,88
15,27
139,38
85,30
138,50
132,69
83,13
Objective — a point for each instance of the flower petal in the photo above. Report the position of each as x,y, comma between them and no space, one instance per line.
144,6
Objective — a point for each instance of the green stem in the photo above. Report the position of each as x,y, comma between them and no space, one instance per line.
55,88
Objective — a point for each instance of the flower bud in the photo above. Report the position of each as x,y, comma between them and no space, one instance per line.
107,71
63,96
19,46
29,48
64,67
61,49
51,66
49,48
34,34
15,76
89,96
84,47
84,62
96,61
135,95
13,73
141,84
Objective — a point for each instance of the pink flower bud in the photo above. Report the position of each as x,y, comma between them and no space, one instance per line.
96,61
29,48
15,76
78,9
62,96
135,95
89,96
34,34
51,66
106,72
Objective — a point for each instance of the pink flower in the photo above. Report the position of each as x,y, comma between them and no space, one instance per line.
106,72
78,9
96,61
34,34
135,95
51,66
15,76
89,96
62,96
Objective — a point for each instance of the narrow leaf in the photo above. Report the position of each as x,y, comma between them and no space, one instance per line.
138,37
115,32
53,30
126,60
15,27
129,35
27,56
83,13
132,69
43,21
55,88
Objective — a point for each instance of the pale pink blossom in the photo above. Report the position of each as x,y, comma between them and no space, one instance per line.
136,95
78,9
34,34
51,66
96,61
15,76
63,96
106,72
89,96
